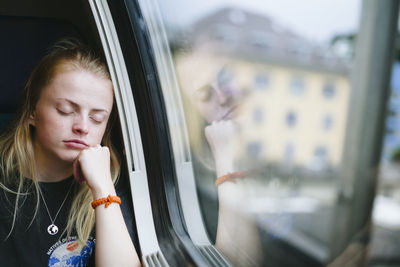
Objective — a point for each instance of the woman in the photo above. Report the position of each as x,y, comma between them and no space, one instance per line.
63,128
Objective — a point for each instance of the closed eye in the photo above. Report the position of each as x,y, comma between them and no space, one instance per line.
64,108
65,111
204,93
98,118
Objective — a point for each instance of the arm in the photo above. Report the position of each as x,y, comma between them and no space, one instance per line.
237,234
113,243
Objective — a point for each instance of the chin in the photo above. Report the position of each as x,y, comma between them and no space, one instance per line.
69,157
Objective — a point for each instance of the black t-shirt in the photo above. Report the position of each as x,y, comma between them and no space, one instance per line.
30,244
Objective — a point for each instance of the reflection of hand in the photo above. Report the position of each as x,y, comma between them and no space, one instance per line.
93,165
221,137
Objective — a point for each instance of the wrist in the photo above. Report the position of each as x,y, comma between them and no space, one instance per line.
229,177
223,167
103,191
106,200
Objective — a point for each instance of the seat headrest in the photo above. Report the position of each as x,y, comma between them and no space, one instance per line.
25,41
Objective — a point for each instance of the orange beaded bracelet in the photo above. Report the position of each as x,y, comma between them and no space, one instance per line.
229,177
107,200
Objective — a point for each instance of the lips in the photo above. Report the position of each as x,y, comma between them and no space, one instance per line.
229,114
76,144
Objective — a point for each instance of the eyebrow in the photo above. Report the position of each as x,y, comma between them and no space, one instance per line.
204,87
77,105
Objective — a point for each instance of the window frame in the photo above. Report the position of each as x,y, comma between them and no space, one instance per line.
185,183
162,235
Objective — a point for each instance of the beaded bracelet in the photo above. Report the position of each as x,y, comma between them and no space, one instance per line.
107,200
230,177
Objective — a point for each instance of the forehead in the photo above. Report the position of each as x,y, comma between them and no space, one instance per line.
198,70
80,86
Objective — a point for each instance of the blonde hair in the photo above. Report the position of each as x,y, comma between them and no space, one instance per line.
16,147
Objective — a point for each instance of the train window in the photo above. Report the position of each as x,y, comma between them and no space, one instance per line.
306,202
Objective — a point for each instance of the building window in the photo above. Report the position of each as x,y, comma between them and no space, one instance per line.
291,119
261,81
261,39
289,153
258,115
329,90
327,122
297,86
226,33
254,149
320,159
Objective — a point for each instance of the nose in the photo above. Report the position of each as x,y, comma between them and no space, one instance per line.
223,95
80,125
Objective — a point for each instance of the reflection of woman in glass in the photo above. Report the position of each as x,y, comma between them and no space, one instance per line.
217,95
218,100
47,218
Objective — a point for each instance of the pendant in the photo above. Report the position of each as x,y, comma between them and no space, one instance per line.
52,229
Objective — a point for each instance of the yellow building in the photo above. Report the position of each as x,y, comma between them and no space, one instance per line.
295,108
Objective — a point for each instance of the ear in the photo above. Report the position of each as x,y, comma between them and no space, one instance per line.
32,119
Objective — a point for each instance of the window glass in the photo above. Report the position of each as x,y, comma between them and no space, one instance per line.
296,196
387,202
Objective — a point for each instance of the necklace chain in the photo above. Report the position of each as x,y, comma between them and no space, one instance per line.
52,229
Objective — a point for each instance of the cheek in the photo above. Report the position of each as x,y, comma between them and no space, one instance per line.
49,131
204,109
48,124
209,114
97,135
209,109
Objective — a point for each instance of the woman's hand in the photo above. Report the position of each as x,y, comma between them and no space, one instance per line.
93,166
114,246
221,137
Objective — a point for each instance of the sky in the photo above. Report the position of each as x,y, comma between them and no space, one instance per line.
317,20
